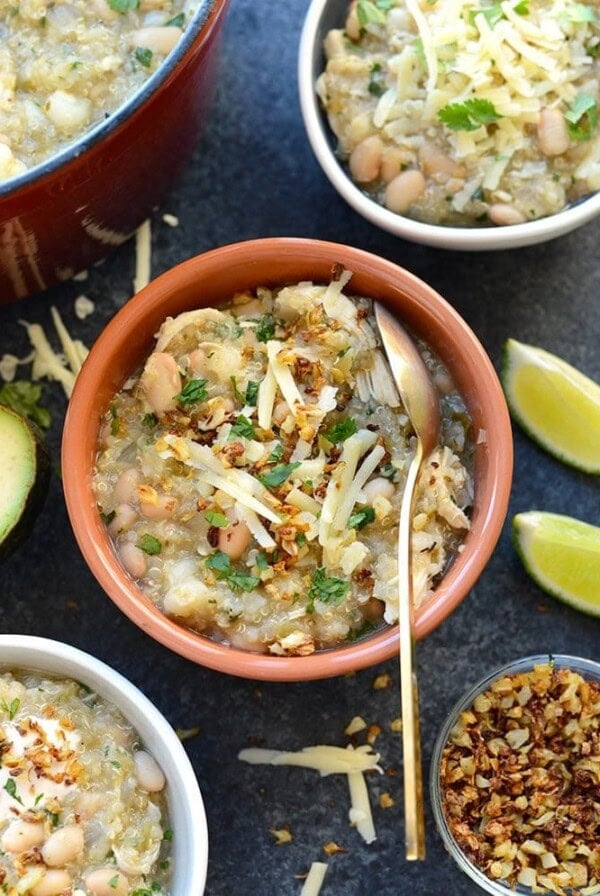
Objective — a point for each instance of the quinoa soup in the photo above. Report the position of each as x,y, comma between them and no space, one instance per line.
82,808
250,474
466,113
65,66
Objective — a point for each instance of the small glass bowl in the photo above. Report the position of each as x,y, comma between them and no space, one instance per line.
586,668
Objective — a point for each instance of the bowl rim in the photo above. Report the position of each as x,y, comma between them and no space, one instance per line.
582,665
186,807
206,10
436,235
285,252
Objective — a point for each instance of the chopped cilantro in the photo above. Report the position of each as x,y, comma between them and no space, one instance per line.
300,539
522,8
243,428
419,48
468,116
492,14
341,430
177,21
252,392
582,116
123,5
220,563
361,631
275,454
265,329
376,88
215,518
278,474
236,392
143,56
11,789
11,709
261,561
149,421
149,544
327,589
23,397
369,12
107,518
114,881
192,392
388,471
168,834
361,518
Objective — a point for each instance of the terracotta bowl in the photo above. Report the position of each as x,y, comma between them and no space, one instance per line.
64,214
212,278
184,801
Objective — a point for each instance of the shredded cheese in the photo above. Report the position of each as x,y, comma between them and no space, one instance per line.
283,377
314,879
143,256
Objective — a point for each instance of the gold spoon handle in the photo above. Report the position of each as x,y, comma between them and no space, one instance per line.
411,739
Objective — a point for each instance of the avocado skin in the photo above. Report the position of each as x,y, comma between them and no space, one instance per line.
38,492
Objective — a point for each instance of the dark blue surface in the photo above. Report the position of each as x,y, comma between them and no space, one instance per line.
254,175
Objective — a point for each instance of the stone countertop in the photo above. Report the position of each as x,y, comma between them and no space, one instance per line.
253,174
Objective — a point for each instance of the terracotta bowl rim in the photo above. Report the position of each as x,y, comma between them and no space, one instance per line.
94,543
93,136
186,807
441,236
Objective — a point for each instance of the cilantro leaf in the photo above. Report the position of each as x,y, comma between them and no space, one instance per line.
149,421
242,427
265,329
370,13
13,709
11,789
375,87
177,21
468,116
123,5
143,56
242,581
252,392
341,430
149,544
361,518
278,474
275,454
582,117
327,589
216,518
23,397
220,563
192,392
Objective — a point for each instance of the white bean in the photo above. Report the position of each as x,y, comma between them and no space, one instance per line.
133,559
125,486
160,381
124,518
403,190
365,160
502,213
234,540
106,882
63,846
159,39
20,836
378,488
552,132
148,772
164,508
52,883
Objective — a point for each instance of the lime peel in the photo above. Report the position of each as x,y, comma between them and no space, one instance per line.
556,404
562,555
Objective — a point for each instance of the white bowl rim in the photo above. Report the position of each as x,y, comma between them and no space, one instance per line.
187,815
123,111
439,236
578,664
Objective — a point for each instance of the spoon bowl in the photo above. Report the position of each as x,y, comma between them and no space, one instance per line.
419,397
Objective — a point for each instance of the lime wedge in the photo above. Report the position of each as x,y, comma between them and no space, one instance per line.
562,555
556,404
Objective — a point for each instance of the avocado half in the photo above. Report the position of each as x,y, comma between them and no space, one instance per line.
24,478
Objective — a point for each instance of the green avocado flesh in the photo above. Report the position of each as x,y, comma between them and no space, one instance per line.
24,476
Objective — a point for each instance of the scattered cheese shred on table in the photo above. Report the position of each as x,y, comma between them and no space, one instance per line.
328,760
314,879
143,254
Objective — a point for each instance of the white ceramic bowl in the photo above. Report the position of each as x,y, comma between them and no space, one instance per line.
184,801
323,15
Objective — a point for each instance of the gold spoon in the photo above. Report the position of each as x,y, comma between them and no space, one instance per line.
421,403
